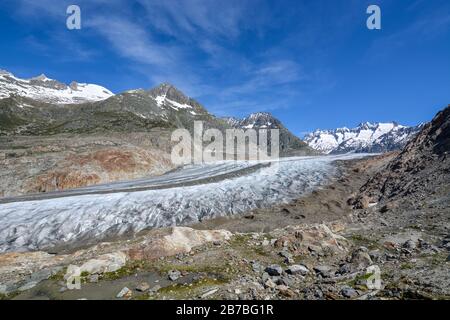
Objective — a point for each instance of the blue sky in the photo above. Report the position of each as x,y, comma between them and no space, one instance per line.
312,63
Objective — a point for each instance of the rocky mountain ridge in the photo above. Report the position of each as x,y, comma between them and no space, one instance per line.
422,167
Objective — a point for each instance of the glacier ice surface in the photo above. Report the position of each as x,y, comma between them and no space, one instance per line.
37,225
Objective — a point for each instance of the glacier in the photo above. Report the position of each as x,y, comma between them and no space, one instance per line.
92,218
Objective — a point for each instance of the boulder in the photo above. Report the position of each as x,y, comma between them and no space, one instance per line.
323,270
304,239
109,262
285,281
269,283
362,202
274,270
124,293
179,241
361,257
410,244
174,275
143,287
286,254
297,269
348,292
285,291
257,267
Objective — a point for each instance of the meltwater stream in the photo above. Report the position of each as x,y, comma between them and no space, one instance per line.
37,224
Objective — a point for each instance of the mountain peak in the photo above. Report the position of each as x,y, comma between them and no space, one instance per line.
41,77
256,115
166,92
257,120
165,87
366,125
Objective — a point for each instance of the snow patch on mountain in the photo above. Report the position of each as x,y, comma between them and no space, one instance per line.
163,101
44,89
167,95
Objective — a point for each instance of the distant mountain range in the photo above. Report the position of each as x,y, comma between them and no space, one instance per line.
131,111
41,106
367,137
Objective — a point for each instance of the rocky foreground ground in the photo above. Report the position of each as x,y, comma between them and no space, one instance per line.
316,247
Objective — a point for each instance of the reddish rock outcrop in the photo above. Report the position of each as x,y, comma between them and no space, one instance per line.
101,166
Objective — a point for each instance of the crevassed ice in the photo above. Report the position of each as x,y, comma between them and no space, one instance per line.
35,225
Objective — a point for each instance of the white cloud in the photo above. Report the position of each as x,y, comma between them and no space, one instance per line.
191,17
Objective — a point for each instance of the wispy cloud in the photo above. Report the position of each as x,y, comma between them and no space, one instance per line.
193,17
132,41
266,76
191,43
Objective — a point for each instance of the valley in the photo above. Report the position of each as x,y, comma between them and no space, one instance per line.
316,246
90,197
185,196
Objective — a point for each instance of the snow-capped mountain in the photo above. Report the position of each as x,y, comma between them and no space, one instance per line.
289,143
367,137
48,90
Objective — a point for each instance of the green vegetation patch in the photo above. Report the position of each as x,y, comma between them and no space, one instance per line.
59,276
129,269
363,241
